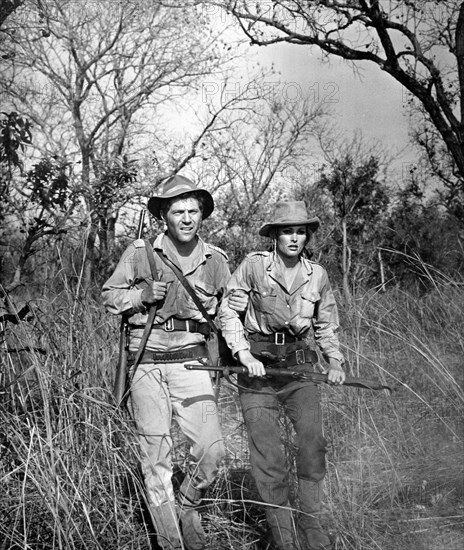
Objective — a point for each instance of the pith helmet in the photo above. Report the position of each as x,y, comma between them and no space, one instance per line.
175,187
289,213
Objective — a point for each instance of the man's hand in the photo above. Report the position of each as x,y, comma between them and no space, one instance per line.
154,293
237,300
254,366
335,375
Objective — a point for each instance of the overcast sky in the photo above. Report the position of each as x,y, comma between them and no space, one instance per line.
372,102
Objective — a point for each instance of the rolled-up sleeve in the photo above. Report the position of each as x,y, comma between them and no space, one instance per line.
326,322
231,325
118,293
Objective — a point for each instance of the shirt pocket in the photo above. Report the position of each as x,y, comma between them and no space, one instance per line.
264,300
207,294
308,303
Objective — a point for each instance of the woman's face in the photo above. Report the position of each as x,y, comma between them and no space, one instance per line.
291,240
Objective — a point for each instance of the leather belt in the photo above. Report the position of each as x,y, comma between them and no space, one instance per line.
182,325
193,352
277,338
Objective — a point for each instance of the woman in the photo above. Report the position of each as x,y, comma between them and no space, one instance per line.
290,298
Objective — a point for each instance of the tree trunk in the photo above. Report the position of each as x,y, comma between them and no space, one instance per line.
460,58
89,259
346,261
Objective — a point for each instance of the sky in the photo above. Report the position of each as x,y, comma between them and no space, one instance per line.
366,100
372,101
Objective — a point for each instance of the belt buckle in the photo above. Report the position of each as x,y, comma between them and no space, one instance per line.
300,356
169,325
279,338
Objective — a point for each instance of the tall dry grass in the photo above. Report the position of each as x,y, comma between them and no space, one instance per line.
69,462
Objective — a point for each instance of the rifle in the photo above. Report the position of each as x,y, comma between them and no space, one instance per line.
120,382
303,375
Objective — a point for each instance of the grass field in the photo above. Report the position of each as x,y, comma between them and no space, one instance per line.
69,461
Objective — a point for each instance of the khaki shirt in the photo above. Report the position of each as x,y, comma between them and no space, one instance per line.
272,307
207,273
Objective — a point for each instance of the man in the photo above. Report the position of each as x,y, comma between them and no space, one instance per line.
160,385
290,297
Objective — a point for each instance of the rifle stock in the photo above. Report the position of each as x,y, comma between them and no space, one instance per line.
316,377
120,381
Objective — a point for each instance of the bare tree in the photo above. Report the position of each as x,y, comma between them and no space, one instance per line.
420,44
246,159
92,77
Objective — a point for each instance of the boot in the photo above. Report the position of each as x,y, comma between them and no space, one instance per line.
280,521
192,531
310,496
165,522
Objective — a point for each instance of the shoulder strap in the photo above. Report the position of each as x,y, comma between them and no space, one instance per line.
151,259
152,309
178,273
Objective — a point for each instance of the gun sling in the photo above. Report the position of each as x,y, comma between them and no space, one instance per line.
178,273
193,352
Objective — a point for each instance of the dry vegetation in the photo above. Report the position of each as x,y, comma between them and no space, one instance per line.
68,460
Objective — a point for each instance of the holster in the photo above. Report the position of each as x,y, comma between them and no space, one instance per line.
289,355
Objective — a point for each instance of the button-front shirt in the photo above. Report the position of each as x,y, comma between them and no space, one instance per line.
207,272
272,307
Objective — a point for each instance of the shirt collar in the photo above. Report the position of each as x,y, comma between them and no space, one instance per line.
200,253
275,268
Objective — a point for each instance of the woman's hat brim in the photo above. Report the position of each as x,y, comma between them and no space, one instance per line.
313,224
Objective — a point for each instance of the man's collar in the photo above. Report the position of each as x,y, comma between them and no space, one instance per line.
198,255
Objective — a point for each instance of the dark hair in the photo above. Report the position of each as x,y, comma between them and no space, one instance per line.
274,230
167,203
305,253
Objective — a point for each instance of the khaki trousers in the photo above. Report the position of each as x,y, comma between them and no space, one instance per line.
159,393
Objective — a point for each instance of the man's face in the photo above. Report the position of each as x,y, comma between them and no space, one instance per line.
183,220
291,240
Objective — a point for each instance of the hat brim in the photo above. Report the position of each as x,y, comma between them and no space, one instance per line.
155,203
313,224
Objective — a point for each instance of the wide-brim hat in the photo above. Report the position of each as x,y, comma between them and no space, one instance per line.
289,213
175,187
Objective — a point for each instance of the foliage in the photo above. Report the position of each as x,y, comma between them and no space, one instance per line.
68,458
39,210
359,203
49,185
418,233
7,7
15,133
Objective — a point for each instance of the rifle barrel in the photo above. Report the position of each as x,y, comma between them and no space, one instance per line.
120,380
315,377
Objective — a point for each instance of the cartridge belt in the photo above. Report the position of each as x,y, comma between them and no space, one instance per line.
187,354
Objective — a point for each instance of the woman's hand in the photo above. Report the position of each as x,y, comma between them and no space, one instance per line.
335,375
254,366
